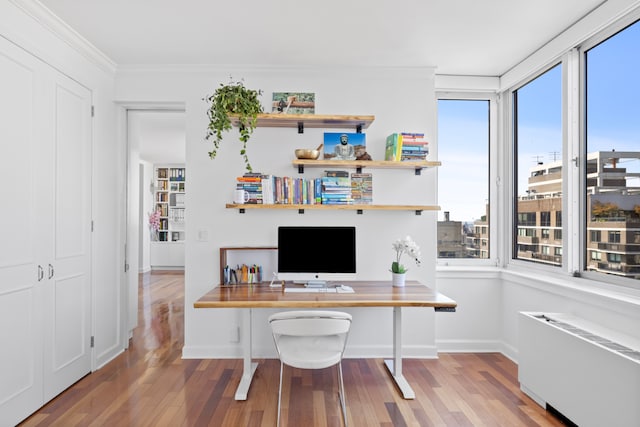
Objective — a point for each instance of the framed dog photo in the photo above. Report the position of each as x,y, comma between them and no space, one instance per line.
293,103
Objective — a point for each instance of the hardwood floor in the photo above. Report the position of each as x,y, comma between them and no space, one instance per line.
150,385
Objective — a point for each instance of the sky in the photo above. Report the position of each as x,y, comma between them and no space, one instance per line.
463,149
613,122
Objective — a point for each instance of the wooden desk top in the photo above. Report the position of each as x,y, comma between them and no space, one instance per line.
367,294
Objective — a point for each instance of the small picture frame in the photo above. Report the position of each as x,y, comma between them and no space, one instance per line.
293,103
344,145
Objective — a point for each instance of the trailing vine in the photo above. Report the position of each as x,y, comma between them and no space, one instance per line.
233,99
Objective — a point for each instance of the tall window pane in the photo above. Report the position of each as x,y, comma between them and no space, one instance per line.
538,151
613,155
463,149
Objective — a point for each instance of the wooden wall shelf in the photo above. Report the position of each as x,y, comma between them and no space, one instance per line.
359,164
301,121
359,208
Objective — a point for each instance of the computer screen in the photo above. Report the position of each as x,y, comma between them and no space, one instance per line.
316,253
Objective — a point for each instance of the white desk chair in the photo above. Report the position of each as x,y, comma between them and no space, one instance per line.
311,340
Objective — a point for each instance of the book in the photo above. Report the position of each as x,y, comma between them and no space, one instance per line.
362,188
393,147
336,173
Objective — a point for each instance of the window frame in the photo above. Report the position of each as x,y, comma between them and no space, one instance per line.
582,249
492,174
510,129
574,230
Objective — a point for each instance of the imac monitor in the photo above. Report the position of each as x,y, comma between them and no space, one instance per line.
313,255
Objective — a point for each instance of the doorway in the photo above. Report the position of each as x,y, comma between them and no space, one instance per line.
156,139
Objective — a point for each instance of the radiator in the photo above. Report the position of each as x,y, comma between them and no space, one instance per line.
588,374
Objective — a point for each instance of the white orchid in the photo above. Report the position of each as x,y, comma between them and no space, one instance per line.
405,246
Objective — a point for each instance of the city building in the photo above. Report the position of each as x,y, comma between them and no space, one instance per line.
613,219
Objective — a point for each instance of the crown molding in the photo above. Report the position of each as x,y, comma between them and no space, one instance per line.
60,29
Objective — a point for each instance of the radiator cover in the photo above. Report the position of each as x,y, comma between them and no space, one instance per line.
588,374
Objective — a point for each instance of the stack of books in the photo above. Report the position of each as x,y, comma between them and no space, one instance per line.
362,188
414,147
406,146
251,183
336,188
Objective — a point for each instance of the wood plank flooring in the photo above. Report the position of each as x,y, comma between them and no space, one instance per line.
150,385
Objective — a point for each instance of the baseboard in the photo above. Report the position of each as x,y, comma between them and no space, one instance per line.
469,346
166,267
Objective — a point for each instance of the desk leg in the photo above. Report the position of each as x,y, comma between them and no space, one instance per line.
248,367
395,366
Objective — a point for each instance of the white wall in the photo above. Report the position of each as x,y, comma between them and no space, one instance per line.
489,301
24,24
146,199
400,99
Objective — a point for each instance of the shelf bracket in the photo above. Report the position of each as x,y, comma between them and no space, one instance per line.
359,128
359,169
359,211
241,210
301,211
300,127
418,171
418,212
300,168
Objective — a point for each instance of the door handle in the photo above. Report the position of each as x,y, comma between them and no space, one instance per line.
40,273
51,271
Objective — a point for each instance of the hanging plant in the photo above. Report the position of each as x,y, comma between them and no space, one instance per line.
236,100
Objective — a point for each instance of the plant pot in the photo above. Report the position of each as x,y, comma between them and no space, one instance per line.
397,279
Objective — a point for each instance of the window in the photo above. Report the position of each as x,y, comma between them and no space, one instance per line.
557,235
596,236
611,257
614,237
527,219
537,112
596,256
612,153
545,233
463,145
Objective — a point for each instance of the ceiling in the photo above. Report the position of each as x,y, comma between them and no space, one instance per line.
458,37
461,37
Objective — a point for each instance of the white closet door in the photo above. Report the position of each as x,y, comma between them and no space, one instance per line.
45,202
22,163
67,295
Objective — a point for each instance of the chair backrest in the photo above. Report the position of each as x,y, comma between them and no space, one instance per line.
310,323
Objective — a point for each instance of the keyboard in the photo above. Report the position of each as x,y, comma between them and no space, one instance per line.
310,290
338,289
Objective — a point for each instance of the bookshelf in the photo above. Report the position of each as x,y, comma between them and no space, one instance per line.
417,166
358,208
300,121
169,199
359,122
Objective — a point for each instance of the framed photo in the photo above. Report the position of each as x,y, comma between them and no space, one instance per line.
293,103
344,145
